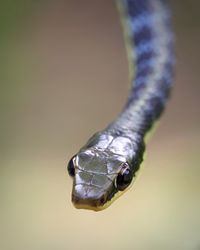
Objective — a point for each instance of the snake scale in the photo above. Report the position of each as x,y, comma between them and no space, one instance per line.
106,166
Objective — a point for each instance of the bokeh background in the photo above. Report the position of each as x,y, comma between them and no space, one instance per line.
64,76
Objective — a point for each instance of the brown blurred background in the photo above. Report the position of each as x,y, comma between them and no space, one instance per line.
64,76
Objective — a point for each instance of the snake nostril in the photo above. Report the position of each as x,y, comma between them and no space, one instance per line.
102,200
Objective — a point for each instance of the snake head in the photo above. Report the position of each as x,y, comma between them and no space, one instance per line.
104,168
97,177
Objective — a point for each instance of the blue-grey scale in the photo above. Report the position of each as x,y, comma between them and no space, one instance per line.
108,163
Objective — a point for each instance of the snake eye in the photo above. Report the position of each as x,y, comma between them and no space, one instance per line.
71,168
124,178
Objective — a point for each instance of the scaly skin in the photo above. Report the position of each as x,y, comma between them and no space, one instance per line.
97,166
118,150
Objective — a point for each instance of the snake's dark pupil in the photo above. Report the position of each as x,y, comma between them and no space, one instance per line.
123,180
126,176
70,168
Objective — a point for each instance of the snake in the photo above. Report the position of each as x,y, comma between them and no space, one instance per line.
107,165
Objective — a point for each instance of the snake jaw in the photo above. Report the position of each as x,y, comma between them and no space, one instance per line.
92,190
88,197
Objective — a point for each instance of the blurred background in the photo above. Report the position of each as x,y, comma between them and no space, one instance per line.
64,76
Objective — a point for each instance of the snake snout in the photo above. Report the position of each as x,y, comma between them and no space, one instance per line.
90,197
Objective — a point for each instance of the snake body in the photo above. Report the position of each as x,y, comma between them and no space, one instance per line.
109,161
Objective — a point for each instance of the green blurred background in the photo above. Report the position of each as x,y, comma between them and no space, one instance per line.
64,76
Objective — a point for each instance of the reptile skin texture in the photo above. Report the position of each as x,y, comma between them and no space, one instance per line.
99,162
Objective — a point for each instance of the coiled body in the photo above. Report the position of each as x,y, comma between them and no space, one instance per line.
107,164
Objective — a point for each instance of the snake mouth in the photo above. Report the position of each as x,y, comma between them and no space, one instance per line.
88,197
92,198
95,205
90,204
81,200
84,200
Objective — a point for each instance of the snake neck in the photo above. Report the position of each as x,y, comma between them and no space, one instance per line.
150,47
